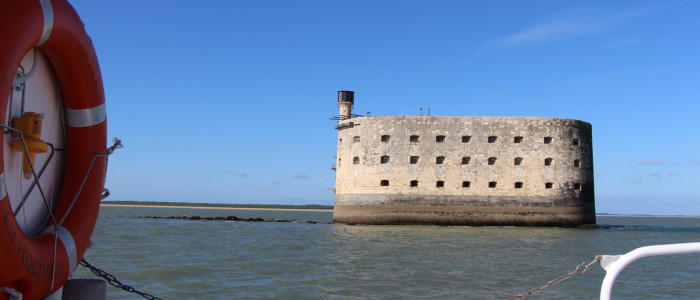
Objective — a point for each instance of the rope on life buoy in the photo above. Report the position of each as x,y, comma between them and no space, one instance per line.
14,294
26,77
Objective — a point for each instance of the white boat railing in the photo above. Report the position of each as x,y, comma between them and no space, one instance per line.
614,264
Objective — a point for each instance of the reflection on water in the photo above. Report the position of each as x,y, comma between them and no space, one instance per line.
177,259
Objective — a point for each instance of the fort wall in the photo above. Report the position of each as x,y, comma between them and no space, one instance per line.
464,171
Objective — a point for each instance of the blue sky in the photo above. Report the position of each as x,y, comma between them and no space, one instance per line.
228,101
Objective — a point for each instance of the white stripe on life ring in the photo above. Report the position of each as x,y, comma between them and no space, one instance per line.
48,21
86,117
67,239
3,188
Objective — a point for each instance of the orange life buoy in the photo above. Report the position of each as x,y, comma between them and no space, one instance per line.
31,265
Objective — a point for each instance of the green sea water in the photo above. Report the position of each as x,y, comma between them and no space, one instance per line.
186,259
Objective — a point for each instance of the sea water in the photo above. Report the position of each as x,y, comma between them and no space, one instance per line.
188,259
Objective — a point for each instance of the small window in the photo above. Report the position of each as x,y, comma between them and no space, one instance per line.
385,139
384,160
517,139
356,139
547,161
465,160
466,184
577,163
518,161
440,139
492,161
518,185
466,138
577,186
340,141
355,160
547,139
440,184
492,184
492,139
439,160
414,139
576,142
414,183
414,160
384,183
548,185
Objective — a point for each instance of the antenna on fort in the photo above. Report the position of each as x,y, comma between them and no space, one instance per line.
428,111
421,111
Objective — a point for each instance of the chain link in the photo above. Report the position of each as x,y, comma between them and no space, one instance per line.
582,268
113,281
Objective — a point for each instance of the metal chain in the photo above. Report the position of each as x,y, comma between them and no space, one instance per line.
113,281
582,268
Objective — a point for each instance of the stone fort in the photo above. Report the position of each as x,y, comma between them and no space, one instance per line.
447,170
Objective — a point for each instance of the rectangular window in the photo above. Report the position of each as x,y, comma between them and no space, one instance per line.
466,138
440,184
414,139
548,185
547,139
414,160
492,184
384,183
384,160
414,183
492,139
518,161
466,184
385,139
517,139
440,139
576,142
518,185
439,160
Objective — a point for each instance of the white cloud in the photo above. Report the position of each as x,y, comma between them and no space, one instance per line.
241,175
570,24
636,180
651,162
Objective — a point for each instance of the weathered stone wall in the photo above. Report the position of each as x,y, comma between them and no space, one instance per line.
374,171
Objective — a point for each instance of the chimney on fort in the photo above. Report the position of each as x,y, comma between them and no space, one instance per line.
345,101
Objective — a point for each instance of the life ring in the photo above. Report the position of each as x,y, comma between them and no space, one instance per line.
38,266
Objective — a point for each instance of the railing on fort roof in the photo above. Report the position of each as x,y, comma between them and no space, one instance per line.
341,118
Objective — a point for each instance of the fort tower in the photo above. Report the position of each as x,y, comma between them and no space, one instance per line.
345,101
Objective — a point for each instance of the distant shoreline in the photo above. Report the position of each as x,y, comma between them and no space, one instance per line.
644,216
219,207
331,210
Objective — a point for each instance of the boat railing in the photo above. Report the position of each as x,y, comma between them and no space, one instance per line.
614,264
